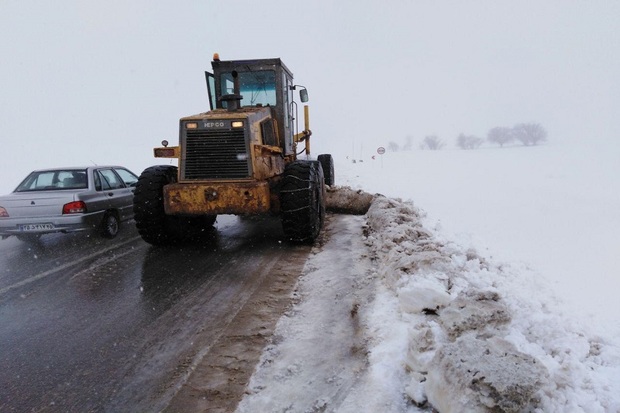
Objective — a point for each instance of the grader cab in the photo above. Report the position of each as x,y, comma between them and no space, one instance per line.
245,156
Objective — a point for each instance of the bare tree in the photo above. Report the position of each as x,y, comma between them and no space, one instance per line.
408,145
529,133
468,141
501,135
432,142
393,146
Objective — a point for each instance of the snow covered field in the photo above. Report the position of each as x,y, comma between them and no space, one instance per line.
554,208
490,280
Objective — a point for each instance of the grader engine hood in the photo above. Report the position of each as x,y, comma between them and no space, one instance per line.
228,145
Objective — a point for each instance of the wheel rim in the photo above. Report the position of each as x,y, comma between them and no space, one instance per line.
111,225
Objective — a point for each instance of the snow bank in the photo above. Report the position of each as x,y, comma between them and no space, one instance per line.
483,336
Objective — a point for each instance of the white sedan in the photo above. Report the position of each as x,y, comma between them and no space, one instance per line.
68,200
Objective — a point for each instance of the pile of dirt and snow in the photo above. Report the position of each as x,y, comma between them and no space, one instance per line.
455,360
475,344
345,200
392,317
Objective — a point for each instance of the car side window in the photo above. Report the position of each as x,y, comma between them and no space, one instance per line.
110,180
128,177
98,186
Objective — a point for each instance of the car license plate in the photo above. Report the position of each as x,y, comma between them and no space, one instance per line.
36,227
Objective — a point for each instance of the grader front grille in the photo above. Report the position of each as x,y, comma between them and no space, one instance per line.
216,154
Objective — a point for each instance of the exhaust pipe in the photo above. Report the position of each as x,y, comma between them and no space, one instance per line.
233,101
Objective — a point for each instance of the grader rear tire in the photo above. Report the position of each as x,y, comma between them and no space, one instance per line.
327,162
302,201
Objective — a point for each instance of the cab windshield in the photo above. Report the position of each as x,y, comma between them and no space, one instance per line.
257,87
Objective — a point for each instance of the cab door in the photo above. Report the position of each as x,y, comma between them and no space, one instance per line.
211,90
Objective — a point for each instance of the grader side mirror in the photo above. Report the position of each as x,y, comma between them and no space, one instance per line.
303,95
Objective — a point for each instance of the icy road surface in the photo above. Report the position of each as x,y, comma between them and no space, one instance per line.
88,324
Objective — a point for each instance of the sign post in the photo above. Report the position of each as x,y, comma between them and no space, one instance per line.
381,151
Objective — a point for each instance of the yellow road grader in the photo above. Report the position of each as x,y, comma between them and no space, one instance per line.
245,156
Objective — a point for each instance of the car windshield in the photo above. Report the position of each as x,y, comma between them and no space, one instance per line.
54,180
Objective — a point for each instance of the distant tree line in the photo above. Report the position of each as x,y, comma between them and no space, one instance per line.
528,134
432,142
468,141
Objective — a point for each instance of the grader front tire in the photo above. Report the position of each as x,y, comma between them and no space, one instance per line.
152,223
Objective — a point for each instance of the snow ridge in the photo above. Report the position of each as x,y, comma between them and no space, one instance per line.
474,342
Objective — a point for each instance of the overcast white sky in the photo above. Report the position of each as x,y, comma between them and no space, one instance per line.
105,81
